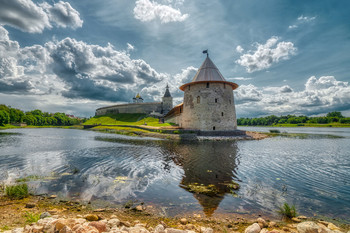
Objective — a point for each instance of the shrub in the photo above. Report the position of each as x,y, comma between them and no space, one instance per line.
18,191
288,211
31,217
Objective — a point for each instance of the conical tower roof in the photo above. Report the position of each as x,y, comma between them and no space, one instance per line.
167,92
208,72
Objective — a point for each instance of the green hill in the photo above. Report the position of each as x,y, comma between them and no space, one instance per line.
125,119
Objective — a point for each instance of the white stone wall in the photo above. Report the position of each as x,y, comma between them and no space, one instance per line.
214,111
176,119
130,108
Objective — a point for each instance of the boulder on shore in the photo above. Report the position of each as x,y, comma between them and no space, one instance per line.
254,228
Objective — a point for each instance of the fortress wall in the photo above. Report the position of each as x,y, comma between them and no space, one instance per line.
215,107
176,119
130,108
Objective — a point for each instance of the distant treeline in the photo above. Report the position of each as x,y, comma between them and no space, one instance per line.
331,117
36,117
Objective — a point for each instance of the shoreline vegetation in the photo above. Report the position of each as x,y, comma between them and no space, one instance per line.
332,119
142,125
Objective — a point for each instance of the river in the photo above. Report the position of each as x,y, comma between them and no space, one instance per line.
310,170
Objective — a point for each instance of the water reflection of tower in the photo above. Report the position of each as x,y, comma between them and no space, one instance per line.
209,171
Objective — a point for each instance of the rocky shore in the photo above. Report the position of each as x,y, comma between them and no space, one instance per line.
52,215
93,223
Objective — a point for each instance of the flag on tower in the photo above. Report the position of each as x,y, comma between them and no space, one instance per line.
205,51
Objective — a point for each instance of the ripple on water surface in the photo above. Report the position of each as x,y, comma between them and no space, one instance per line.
311,173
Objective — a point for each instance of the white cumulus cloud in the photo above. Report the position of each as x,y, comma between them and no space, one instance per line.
34,18
146,10
239,49
63,15
320,95
266,54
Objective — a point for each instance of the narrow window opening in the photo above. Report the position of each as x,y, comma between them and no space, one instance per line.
216,100
213,127
222,114
224,85
230,101
198,99
180,110
189,87
207,85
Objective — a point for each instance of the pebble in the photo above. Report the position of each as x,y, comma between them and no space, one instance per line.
296,219
308,227
114,222
254,228
262,223
53,211
206,230
92,217
100,226
183,221
159,229
45,215
139,208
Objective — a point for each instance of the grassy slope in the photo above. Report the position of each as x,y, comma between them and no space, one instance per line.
125,119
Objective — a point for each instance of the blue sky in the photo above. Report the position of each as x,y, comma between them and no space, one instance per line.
288,57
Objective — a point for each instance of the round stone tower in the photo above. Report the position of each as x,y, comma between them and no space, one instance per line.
208,101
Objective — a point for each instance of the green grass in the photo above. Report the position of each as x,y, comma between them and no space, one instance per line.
8,126
287,211
17,191
31,217
121,130
125,119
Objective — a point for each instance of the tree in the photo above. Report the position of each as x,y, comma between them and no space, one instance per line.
16,115
345,120
4,117
37,112
29,119
335,114
322,120
4,108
